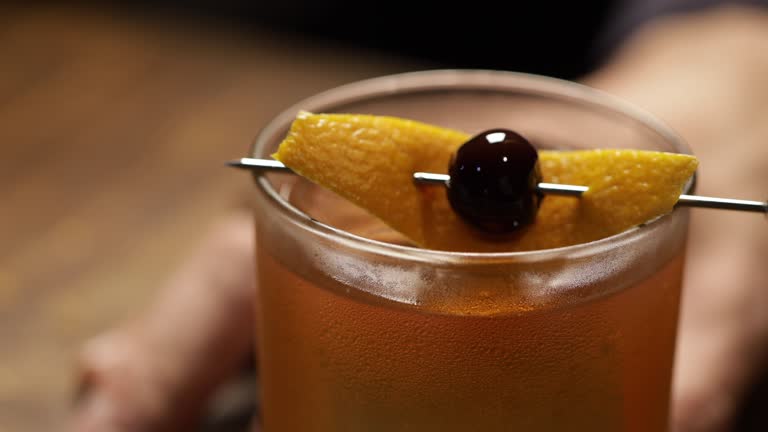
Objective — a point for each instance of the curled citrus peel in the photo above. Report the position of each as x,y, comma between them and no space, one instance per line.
370,161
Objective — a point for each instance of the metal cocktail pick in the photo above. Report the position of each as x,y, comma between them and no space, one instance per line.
546,188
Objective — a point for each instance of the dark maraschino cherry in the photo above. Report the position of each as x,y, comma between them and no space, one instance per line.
493,181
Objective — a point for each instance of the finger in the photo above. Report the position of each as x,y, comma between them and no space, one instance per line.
724,330
157,371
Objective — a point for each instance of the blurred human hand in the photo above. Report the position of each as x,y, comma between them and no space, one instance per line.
706,75
156,372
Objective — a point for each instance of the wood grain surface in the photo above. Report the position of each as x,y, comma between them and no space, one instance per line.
113,130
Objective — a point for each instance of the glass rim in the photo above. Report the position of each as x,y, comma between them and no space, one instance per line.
461,79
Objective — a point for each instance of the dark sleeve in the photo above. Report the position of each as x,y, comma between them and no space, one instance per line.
630,15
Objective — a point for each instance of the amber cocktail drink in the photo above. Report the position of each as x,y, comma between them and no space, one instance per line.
360,331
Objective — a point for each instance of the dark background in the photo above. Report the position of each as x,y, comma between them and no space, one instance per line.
548,37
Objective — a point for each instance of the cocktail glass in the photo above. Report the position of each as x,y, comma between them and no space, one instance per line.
359,331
